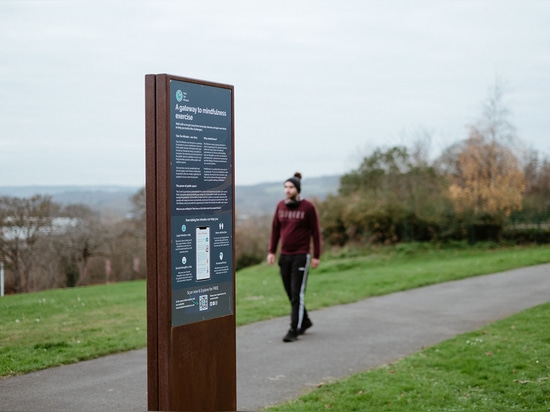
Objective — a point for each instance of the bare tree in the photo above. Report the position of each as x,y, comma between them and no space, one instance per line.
23,222
80,241
138,205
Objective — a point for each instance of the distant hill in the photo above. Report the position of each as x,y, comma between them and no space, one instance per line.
250,200
261,199
107,200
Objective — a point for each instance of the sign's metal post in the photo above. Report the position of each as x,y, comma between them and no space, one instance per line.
191,334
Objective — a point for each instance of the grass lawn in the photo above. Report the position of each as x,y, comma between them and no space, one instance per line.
50,328
502,367
54,327
345,278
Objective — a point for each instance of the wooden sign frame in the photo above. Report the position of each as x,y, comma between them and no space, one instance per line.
191,364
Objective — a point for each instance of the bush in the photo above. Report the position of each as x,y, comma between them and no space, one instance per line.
526,236
244,259
251,240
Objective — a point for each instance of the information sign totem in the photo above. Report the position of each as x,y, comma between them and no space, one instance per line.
191,341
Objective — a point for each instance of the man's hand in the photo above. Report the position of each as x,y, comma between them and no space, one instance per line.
315,263
270,258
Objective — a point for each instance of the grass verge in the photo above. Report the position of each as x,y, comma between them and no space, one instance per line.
501,367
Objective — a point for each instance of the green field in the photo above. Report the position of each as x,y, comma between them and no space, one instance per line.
50,328
44,329
343,278
502,367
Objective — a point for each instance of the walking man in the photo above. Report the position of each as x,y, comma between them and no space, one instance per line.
295,224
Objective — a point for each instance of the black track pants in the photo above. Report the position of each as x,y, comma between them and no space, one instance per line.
294,270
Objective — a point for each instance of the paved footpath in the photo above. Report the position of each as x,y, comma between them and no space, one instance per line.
344,339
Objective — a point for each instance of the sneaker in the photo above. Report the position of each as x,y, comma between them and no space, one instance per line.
291,336
307,324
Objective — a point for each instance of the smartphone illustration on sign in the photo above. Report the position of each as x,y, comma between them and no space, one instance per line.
203,252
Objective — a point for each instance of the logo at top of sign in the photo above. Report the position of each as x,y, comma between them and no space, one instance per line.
179,95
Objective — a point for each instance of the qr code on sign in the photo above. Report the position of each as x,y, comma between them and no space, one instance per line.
203,302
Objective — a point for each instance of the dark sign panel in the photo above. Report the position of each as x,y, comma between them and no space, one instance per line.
201,176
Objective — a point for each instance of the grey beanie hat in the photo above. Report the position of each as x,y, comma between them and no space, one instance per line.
296,180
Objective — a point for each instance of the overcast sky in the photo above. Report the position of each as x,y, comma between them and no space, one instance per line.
318,84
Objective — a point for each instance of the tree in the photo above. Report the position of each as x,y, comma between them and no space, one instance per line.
490,181
23,222
79,242
139,205
393,195
251,240
377,172
487,178
136,235
332,217
537,184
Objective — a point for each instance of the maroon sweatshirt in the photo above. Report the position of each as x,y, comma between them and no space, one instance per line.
295,226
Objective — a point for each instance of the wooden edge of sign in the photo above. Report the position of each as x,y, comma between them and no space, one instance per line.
151,248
